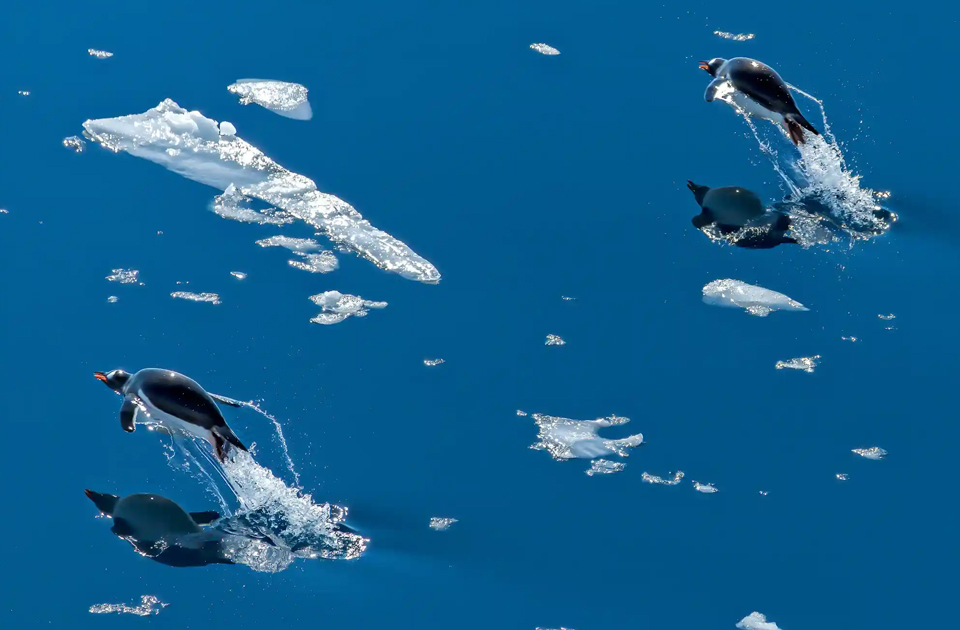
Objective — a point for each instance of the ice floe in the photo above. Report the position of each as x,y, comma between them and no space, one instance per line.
545,49
324,262
99,54
604,467
843,476
239,275
301,245
565,439
874,452
125,276
806,364
755,300
75,143
737,37
149,605
756,621
212,298
339,306
190,145
113,299
280,97
433,362
706,488
440,524
554,340
234,205
670,481
521,412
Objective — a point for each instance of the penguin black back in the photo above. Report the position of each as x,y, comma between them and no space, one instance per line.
177,395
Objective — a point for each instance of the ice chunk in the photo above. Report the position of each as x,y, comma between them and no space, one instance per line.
843,476
756,300
301,245
227,129
339,306
887,317
23,92
764,493
99,54
874,452
545,49
190,144
567,299
75,143
564,438
149,605
807,364
744,37
440,524
113,299
212,298
554,340
233,204
675,480
521,413
850,339
2,211
239,275
706,488
604,467
324,262
280,97
432,362
125,276
756,621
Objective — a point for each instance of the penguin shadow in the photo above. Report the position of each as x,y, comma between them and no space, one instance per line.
737,216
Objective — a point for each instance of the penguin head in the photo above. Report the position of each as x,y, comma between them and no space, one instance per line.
699,192
114,379
712,66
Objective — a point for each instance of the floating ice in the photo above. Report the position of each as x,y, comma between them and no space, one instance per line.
191,145
843,476
149,605
874,452
564,438
23,92
807,364
545,49
706,488
239,275
441,524
554,340
433,362
113,299
850,339
99,54
2,211
75,143
561,628
227,129
755,300
339,306
212,298
743,37
674,481
887,317
301,245
520,412
324,262
764,493
567,299
234,205
280,97
756,621
604,467
125,276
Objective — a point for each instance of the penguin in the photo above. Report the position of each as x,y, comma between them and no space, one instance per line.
175,402
739,216
759,91
161,530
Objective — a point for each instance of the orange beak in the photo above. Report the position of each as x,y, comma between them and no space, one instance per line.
100,376
704,65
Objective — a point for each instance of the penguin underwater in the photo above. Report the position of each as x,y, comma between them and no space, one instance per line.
161,530
740,217
174,401
759,91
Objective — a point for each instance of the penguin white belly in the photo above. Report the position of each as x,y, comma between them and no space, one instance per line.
156,416
754,108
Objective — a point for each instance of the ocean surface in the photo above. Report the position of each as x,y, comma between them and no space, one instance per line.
522,178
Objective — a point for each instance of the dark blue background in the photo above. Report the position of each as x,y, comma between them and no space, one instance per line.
522,178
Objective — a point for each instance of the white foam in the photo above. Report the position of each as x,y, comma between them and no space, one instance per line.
280,97
554,340
441,524
874,452
149,605
755,300
756,621
75,143
805,364
125,276
212,298
339,306
545,49
99,54
190,144
672,481
604,467
564,438
706,488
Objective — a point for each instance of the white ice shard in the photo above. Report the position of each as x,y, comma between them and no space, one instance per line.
149,605
554,340
99,54
239,275
756,621
564,438
737,37
874,452
432,362
113,299
280,97
212,298
545,49
671,481
756,300
604,467
521,412
75,143
706,488
440,524
806,364
339,306
125,276
190,145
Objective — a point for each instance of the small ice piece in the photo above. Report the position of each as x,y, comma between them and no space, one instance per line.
227,129
324,262
545,49
149,605
113,299
567,299
706,488
99,54
440,524
764,493
23,92
212,298
756,300
339,306
300,245
233,204
675,480
432,362
850,339
125,276
75,143
807,364
604,467
756,621
843,476
887,318
742,37
874,452
280,97
2,211
560,628
521,412
554,340
565,439
239,275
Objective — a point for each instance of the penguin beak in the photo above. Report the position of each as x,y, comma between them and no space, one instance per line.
704,65
100,376
691,185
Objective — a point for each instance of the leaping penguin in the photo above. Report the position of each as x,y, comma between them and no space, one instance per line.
759,91
175,402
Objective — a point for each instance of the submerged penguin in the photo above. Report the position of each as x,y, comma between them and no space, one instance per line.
175,402
759,91
739,216
161,530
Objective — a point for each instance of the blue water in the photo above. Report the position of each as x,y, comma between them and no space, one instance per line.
522,178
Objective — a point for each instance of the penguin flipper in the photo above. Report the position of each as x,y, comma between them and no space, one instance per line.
711,92
226,401
795,124
204,518
104,502
128,411
223,436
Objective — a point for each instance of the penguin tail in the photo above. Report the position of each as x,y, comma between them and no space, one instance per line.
223,440
795,124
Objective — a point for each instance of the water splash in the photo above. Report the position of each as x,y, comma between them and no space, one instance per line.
149,605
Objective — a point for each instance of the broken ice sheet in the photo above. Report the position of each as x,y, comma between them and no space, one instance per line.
125,276
234,205
191,145
564,438
545,49
742,37
604,467
706,488
756,621
440,524
300,245
212,298
554,340
432,362
339,306
324,262
671,481
149,605
755,300
874,452
280,97
75,143
99,54
807,364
